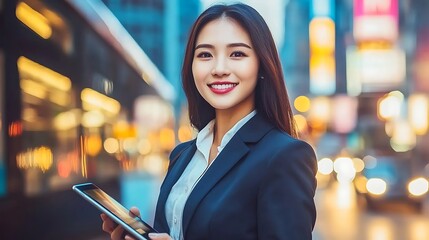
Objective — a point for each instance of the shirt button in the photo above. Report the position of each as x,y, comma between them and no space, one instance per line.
175,220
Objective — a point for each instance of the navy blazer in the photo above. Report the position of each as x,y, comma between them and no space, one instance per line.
261,186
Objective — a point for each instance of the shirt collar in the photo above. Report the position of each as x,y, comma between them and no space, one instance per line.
205,136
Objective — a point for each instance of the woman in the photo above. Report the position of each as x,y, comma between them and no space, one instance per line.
245,176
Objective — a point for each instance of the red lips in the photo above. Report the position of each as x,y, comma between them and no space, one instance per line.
222,87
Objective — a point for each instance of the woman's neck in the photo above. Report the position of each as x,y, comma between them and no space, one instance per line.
224,121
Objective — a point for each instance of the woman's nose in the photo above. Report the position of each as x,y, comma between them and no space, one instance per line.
220,67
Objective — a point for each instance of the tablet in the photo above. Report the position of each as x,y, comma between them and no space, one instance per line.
134,225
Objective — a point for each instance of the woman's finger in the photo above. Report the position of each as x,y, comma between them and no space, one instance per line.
134,211
159,236
128,237
118,233
108,225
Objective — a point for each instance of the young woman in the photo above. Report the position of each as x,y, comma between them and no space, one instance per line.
246,175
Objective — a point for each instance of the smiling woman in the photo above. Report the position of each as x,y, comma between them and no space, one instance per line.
225,67
246,175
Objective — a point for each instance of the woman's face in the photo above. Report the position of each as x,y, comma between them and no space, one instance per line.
225,66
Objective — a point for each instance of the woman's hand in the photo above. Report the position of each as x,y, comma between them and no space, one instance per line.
159,236
117,232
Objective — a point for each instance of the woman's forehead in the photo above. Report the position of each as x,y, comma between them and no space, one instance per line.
224,29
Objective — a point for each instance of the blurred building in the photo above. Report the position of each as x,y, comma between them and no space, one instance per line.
161,28
77,105
294,53
144,20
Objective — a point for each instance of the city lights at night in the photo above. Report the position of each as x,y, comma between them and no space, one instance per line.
91,91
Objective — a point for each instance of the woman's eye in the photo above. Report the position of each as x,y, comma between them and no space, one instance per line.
204,55
238,54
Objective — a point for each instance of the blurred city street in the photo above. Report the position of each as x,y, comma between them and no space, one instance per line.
340,216
91,91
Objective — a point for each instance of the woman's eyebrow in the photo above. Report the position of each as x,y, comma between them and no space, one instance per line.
203,45
239,45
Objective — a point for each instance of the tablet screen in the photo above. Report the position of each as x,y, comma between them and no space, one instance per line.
116,208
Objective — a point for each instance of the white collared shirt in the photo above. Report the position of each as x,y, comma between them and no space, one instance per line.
196,168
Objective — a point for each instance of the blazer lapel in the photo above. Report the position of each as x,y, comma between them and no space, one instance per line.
233,152
171,178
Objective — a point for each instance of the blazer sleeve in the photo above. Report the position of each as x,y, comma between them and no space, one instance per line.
286,208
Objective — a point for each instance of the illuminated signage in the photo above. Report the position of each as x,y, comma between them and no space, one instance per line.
375,20
322,75
373,70
322,47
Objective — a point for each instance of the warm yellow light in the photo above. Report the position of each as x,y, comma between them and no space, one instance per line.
153,163
184,133
403,138
60,98
93,144
321,109
34,20
33,88
418,113
302,103
360,184
301,122
322,35
320,114
67,120
344,168
378,227
93,119
33,70
111,145
325,166
166,138
359,164
376,186
322,74
92,99
144,146
418,187
389,127
123,130
389,106
40,157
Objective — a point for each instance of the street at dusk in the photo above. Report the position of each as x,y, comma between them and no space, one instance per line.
115,93
340,216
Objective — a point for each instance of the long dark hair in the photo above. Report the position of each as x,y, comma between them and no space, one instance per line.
271,98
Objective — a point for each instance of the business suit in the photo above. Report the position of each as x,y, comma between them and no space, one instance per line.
261,186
